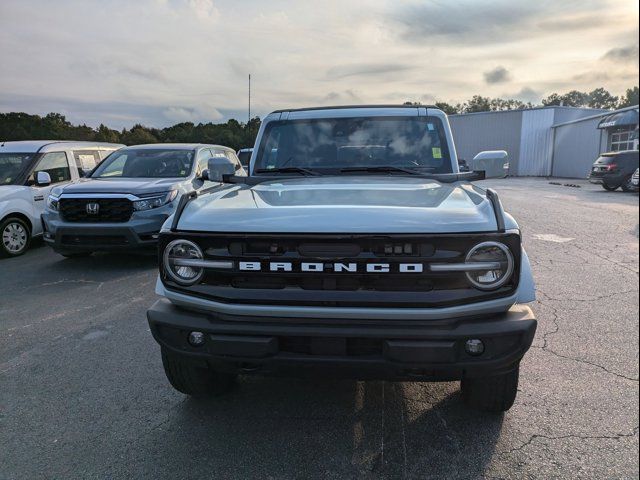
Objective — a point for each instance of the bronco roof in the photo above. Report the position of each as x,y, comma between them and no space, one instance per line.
342,107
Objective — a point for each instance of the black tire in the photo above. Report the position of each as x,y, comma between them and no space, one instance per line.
627,186
609,188
10,229
491,394
193,380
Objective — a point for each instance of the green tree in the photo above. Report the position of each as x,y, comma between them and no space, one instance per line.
601,98
477,103
447,108
574,98
630,98
552,100
105,134
138,135
498,104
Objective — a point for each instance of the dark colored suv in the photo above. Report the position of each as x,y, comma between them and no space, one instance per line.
615,169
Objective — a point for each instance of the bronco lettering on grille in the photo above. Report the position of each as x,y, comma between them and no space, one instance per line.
310,267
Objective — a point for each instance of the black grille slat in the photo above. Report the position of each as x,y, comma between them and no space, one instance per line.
110,210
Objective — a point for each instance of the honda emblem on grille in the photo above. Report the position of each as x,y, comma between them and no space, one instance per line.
93,208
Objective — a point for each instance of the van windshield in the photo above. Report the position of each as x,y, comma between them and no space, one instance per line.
12,165
333,144
146,163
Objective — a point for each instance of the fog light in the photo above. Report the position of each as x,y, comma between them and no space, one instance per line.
196,339
474,347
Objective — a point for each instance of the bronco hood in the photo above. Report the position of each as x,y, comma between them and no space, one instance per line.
348,204
135,186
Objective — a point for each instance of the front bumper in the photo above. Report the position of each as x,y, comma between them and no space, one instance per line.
141,231
364,349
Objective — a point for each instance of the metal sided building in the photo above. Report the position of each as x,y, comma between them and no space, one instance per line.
527,135
577,143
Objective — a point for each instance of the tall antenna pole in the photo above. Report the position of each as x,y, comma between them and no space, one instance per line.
249,118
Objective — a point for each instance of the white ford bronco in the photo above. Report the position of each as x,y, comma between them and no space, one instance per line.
354,248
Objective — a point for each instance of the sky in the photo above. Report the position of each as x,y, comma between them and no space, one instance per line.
160,62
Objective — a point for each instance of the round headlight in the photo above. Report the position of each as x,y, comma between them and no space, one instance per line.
495,253
178,262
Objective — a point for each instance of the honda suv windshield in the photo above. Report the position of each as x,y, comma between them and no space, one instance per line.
12,165
363,145
146,163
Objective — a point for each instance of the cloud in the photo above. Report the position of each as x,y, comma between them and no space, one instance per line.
466,21
200,114
497,75
347,96
495,21
367,70
591,76
573,22
204,9
622,54
528,94
161,61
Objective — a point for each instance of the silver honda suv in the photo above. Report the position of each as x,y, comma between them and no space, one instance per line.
123,203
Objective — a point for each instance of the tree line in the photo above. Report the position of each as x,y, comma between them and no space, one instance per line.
54,126
597,98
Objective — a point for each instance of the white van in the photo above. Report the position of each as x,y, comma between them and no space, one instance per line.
28,171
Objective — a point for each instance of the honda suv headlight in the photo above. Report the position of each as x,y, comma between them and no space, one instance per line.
502,265
155,201
181,262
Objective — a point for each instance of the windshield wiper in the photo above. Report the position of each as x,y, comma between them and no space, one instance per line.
301,170
383,168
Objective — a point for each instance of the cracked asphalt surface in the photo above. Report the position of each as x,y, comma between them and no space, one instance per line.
83,394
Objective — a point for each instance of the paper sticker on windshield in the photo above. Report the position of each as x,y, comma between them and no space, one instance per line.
430,127
183,173
436,152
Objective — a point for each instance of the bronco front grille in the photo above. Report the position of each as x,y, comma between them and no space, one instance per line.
96,210
327,287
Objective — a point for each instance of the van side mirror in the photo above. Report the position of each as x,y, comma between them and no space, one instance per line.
218,169
43,179
495,163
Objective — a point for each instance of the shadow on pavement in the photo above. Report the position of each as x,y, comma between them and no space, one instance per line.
286,428
105,262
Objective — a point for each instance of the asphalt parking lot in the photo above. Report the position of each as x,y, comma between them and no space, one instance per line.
83,394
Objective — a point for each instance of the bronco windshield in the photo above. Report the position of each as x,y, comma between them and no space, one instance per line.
334,144
12,165
146,163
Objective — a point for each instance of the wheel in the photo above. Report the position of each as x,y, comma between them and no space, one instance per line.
627,186
491,394
193,380
15,237
609,188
